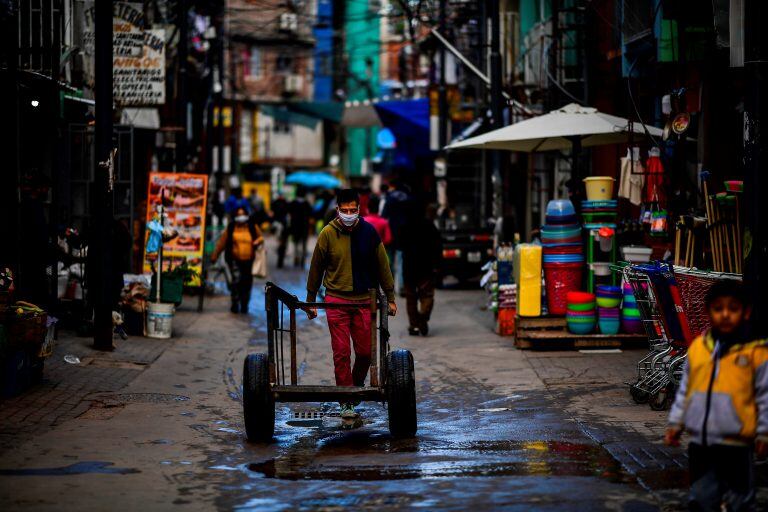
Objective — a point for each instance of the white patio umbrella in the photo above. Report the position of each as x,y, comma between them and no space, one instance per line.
569,127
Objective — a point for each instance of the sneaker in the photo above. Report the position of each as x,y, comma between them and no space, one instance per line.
424,328
413,331
348,411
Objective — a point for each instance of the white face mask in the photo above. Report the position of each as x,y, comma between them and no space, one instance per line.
348,219
241,219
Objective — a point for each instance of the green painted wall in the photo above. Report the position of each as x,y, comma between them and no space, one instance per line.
531,13
362,44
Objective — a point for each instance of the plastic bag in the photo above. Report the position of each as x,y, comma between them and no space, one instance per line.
155,239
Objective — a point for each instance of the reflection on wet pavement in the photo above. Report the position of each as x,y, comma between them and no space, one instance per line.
474,446
78,468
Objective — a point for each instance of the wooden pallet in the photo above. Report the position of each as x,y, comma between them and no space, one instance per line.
551,333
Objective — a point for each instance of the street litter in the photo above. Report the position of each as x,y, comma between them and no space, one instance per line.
71,359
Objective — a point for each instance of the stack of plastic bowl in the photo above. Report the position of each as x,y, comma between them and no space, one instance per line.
580,315
608,301
563,257
630,314
598,214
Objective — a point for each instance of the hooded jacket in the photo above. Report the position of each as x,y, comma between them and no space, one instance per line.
723,394
349,262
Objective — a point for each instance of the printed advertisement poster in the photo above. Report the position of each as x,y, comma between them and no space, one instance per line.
184,198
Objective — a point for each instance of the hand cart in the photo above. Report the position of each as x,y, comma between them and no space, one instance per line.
392,379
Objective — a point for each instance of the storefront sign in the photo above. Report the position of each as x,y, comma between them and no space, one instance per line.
184,198
141,80
138,55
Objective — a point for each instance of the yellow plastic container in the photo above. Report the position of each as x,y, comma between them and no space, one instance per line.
527,268
599,188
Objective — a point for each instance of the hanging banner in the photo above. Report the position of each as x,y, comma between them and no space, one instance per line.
138,55
140,80
184,198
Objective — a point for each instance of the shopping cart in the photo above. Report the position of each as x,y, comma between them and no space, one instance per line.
672,310
662,317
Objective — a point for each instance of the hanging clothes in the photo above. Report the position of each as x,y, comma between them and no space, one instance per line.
654,184
632,177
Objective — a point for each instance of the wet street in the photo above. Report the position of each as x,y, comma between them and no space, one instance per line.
498,429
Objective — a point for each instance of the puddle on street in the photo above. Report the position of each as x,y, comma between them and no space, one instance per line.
78,468
440,460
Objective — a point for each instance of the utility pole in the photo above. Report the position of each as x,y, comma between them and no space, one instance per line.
756,159
496,104
100,269
10,144
181,88
553,65
442,106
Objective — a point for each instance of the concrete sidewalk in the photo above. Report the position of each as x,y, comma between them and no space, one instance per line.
71,390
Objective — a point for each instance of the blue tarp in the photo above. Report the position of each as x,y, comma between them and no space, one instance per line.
409,122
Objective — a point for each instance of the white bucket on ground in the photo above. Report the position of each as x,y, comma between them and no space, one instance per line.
159,320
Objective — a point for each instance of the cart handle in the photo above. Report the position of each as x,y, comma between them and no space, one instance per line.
293,302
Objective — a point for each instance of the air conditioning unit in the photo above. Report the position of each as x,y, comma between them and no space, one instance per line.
293,83
289,22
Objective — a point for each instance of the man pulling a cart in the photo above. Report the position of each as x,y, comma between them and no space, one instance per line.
349,259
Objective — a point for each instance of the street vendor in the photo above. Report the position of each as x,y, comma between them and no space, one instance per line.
349,259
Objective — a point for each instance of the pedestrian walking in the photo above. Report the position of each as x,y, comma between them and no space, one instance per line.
422,249
239,242
379,223
349,259
280,227
722,402
395,211
235,201
300,213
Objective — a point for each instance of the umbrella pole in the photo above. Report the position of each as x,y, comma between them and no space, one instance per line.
576,182
740,252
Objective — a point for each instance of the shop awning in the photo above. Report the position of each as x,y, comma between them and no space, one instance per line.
287,115
325,110
312,179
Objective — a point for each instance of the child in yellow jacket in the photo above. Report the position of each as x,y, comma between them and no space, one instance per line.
723,403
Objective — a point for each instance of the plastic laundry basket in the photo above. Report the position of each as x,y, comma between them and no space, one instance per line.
561,279
599,188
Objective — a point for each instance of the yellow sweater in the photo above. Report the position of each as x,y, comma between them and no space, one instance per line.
242,242
725,387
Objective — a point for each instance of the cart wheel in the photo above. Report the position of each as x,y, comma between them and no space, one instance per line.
638,395
258,404
659,401
401,394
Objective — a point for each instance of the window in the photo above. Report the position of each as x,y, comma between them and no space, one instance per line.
253,66
284,63
281,126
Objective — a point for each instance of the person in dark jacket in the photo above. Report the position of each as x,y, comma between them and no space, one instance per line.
300,213
422,249
238,242
280,226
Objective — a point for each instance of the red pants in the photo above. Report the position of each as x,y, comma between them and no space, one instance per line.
343,324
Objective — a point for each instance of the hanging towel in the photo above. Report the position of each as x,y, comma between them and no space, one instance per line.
632,180
654,186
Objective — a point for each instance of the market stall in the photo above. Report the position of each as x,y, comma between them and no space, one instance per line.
567,288
27,337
